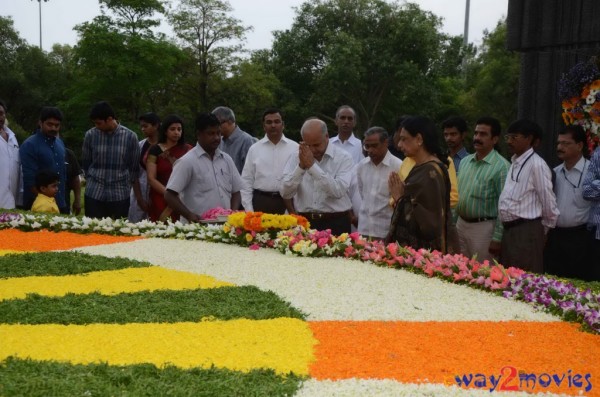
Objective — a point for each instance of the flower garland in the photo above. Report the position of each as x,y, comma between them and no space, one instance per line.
579,91
244,229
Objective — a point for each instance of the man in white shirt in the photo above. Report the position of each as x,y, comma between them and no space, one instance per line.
372,176
568,248
318,179
9,163
205,177
263,169
345,121
527,205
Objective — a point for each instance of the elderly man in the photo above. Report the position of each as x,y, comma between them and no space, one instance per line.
9,163
318,180
235,142
479,186
372,177
527,204
44,150
567,252
263,169
205,177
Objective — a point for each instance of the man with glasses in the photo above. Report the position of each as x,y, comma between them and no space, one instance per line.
568,246
527,205
263,168
235,142
373,173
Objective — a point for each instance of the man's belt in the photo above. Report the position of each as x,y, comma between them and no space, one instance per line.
477,220
517,222
314,216
267,194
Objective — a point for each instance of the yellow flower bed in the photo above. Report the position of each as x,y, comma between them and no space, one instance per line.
8,252
283,344
106,282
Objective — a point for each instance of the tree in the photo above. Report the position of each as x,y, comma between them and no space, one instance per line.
119,58
379,57
207,31
493,79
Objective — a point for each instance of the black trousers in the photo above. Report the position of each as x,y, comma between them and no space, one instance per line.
337,225
568,252
270,204
106,209
523,246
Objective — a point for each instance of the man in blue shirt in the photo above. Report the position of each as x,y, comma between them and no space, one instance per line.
591,192
44,150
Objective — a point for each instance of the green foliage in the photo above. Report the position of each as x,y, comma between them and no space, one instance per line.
492,85
60,264
36,378
225,303
381,58
207,32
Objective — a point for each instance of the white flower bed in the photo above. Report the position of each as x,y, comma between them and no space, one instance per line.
330,288
390,388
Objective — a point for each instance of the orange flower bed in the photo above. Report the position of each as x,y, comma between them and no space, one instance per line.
44,240
435,352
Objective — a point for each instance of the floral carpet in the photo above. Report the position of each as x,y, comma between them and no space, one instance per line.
369,331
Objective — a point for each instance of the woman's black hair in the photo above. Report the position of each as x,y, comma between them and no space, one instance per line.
426,127
164,126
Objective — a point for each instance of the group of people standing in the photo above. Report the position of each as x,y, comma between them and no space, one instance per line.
399,188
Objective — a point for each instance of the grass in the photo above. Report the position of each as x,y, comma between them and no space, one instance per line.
60,264
224,303
33,378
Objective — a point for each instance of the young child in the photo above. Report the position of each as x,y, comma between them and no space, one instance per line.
46,183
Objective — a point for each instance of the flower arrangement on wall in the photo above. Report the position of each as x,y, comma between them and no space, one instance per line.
579,91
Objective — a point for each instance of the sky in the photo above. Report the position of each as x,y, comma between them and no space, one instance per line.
265,16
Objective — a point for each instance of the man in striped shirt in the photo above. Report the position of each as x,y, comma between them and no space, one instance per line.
527,205
110,158
480,183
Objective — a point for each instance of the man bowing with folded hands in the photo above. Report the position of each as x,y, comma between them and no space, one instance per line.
318,180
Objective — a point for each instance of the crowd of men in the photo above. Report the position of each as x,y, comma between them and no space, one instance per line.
519,212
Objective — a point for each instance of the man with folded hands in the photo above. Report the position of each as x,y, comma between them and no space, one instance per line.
480,183
263,168
318,179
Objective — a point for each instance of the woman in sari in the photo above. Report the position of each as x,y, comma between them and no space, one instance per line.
422,201
159,165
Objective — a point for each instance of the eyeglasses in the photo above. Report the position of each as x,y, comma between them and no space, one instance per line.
511,137
367,146
564,143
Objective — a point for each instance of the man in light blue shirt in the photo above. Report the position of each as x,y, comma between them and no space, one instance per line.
568,248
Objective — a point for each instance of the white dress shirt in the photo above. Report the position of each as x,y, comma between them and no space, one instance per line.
528,191
574,209
321,188
264,165
352,145
10,170
203,183
375,213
